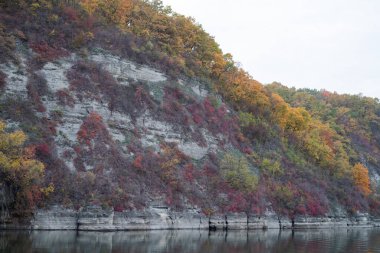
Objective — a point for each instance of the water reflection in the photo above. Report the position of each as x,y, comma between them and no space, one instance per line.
311,241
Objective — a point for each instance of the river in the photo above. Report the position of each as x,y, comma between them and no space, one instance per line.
271,241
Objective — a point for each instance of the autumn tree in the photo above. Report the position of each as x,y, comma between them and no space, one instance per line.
89,6
19,171
113,11
361,179
171,157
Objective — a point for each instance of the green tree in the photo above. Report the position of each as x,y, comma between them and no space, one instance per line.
272,168
236,171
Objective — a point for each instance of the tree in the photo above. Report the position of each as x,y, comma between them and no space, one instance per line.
19,171
272,168
113,11
361,179
236,171
89,5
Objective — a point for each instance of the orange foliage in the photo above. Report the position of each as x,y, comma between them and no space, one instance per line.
114,11
91,127
171,158
248,94
361,179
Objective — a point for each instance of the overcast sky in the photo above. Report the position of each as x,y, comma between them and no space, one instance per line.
330,44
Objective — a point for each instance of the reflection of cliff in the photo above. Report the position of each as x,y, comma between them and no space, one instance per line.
318,241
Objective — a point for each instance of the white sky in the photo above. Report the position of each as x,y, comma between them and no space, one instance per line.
331,44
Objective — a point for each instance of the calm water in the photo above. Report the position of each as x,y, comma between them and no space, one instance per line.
312,241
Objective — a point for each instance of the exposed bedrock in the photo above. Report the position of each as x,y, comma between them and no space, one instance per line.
95,218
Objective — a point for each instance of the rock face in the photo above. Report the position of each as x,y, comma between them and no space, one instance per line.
17,76
94,218
121,125
122,69
55,218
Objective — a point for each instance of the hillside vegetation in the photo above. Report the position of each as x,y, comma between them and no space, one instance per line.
293,151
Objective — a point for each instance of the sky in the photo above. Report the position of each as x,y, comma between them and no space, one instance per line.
321,44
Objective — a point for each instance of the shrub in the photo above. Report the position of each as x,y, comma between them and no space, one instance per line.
272,168
64,98
43,149
92,128
137,163
80,82
47,53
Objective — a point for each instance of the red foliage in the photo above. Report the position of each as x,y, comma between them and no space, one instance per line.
216,120
189,172
174,110
237,202
209,108
43,149
119,208
48,53
327,136
210,170
221,111
41,108
199,138
71,13
197,119
137,163
88,23
326,93
196,112
91,128
247,150
64,98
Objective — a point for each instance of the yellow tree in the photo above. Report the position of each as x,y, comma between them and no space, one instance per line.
361,179
113,11
19,171
280,110
89,6
170,159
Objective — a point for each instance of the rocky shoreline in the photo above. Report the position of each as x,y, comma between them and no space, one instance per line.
94,218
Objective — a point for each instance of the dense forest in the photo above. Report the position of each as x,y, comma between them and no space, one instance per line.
295,152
